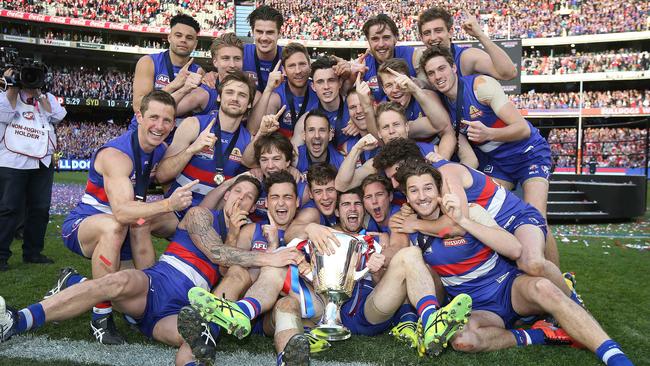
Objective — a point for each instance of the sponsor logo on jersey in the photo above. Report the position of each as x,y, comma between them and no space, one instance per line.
206,153
454,242
236,155
503,277
475,113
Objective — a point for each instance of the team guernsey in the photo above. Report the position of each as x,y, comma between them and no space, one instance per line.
513,161
161,78
373,226
202,166
457,51
292,113
465,265
181,267
508,210
213,103
338,119
258,70
333,157
95,200
370,76
365,155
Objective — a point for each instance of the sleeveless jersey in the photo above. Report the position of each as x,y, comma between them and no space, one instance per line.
95,200
373,226
333,158
370,76
287,124
258,70
184,256
202,166
213,104
511,152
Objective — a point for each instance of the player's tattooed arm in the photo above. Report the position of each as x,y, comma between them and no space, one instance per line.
198,223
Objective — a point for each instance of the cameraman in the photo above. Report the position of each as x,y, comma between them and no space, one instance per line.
27,142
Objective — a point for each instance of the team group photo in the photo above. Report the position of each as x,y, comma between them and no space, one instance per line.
324,183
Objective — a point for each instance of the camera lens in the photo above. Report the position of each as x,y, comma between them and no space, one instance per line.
32,77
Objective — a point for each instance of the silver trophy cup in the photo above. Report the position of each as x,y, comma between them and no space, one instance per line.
334,276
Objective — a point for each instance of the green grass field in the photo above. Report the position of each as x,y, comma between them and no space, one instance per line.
612,279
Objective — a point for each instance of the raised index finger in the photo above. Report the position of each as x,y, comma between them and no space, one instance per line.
358,79
209,126
281,111
393,71
189,63
190,184
277,66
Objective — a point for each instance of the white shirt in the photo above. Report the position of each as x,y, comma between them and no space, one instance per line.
10,159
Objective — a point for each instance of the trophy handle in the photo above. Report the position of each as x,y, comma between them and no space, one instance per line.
359,274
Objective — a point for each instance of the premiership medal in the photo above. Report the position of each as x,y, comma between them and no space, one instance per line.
219,177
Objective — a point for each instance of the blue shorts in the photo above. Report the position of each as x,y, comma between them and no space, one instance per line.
69,234
166,296
528,216
537,165
353,316
497,299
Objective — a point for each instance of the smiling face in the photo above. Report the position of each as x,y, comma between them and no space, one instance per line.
376,201
273,161
234,98
155,125
297,69
392,125
324,196
393,91
227,60
182,40
246,192
440,74
422,194
435,32
282,203
350,212
357,115
317,135
265,35
381,42
326,85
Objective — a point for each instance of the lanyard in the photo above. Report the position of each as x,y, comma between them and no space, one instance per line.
222,225
169,66
424,243
292,108
141,177
261,83
220,158
339,117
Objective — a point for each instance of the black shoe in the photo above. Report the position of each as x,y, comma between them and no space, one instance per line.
198,334
296,352
4,266
38,259
105,331
64,275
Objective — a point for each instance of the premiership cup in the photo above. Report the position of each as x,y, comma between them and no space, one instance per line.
334,276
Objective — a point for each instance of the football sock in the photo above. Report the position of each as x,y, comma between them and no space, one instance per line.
250,306
406,313
31,317
427,306
101,309
611,354
528,337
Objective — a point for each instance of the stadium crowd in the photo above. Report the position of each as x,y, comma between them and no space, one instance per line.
609,147
80,139
592,99
90,83
335,20
585,62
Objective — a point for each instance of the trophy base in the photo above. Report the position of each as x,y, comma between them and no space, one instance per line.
331,333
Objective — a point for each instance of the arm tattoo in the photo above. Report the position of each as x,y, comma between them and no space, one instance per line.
198,222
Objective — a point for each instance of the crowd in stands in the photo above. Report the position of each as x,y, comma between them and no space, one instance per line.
585,62
91,83
609,147
80,139
81,37
342,20
592,99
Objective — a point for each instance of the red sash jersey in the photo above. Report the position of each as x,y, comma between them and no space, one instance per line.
370,76
287,124
95,200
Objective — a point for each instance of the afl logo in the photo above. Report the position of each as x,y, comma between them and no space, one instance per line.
162,79
287,119
28,115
